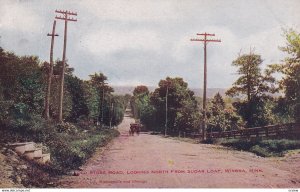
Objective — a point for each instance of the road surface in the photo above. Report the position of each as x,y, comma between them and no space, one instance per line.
153,161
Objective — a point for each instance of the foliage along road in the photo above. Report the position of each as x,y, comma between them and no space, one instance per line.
153,161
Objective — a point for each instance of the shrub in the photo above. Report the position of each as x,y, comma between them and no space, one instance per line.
5,111
240,144
69,152
281,145
265,148
264,152
70,146
67,127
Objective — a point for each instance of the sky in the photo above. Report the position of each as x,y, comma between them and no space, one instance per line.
136,42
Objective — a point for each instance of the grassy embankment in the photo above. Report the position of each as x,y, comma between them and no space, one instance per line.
70,145
264,148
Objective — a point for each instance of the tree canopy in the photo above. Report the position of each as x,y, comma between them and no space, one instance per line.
254,86
22,92
290,68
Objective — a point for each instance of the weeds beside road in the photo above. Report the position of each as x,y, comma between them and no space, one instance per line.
264,148
70,145
260,147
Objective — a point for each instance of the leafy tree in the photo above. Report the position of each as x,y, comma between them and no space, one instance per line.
188,116
139,100
182,105
55,87
9,70
144,110
148,115
222,117
114,109
126,100
141,89
283,110
31,88
79,104
290,69
254,86
22,92
111,108
98,82
92,100
21,85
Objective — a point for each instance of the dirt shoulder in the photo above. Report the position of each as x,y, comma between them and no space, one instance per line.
11,169
153,161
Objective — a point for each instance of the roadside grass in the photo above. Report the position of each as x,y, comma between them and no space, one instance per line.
70,151
264,148
189,140
70,145
185,139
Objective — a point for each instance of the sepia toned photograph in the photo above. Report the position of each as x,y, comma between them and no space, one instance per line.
149,94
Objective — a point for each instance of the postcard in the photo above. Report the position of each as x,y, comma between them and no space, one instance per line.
147,94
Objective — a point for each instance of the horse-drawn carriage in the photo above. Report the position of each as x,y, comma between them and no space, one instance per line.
135,128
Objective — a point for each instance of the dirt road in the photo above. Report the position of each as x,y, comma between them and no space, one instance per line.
153,161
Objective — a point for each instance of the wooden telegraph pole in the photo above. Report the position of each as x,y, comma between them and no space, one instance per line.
102,102
50,73
111,112
167,93
205,41
66,18
166,124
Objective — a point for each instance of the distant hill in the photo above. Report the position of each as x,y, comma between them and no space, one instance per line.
122,90
211,92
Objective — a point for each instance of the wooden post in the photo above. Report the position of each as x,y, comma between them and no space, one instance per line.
277,131
62,76
204,92
290,130
205,40
50,73
62,72
166,123
111,114
102,104
248,134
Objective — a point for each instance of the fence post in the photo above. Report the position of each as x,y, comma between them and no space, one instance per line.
277,131
267,132
248,134
290,130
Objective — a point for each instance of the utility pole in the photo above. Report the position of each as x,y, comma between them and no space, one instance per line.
102,101
205,41
111,113
167,92
50,73
66,18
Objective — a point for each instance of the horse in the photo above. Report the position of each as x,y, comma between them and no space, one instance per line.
134,127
